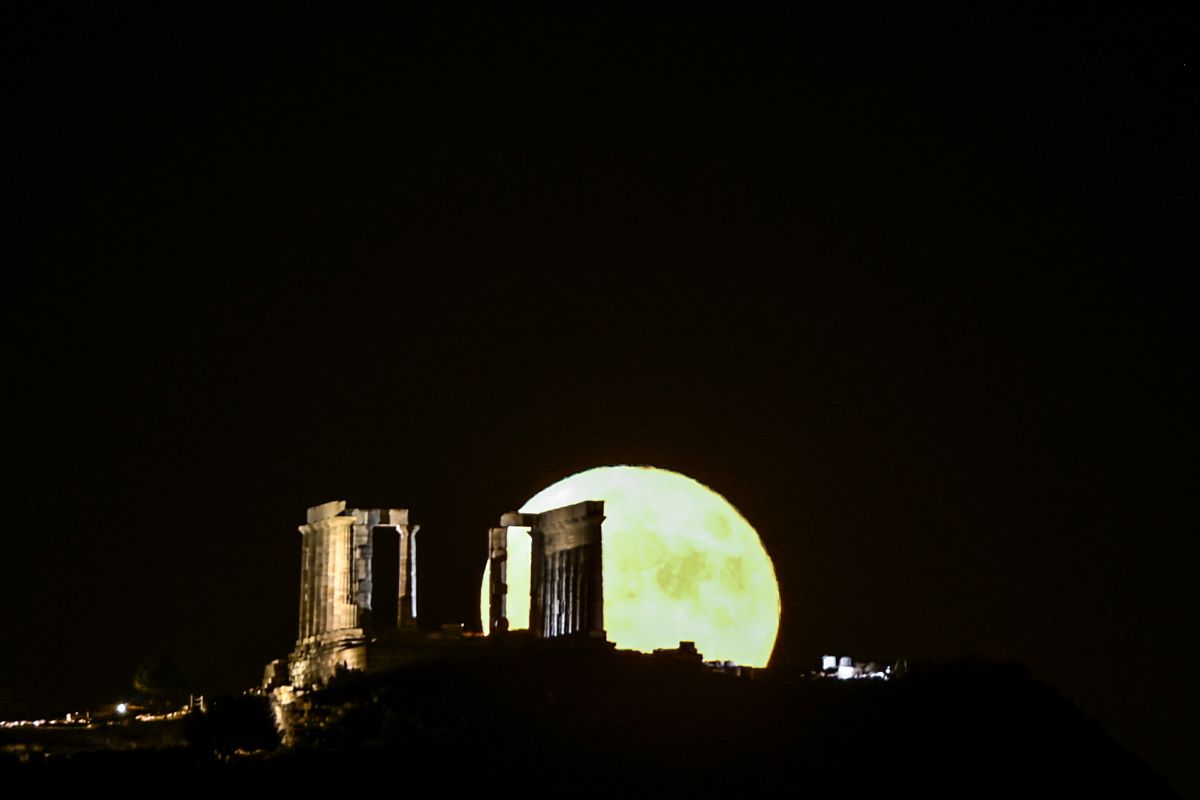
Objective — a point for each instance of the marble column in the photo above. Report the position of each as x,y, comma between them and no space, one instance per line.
406,612
306,581
498,582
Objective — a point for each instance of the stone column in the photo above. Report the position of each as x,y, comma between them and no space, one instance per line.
406,609
537,585
318,581
340,610
498,582
306,575
410,592
316,565
345,611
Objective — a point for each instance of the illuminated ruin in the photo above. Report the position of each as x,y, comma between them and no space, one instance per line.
357,583
566,594
659,560
358,588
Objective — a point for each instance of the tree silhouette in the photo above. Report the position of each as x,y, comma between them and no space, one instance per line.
162,681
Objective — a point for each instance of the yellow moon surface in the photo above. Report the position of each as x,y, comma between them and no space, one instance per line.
680,564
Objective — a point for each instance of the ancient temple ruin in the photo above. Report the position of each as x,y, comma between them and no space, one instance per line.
357,583
358,589
566,592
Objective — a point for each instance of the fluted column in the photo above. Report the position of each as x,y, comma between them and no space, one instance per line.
306,589
406,611
320,580
338,609
341,536
537,587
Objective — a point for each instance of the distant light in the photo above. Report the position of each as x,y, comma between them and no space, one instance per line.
122,708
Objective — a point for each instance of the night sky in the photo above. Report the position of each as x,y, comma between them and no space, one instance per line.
912,292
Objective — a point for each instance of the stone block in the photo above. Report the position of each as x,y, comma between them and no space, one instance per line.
326,510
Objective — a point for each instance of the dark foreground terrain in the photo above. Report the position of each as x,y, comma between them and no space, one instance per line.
561,721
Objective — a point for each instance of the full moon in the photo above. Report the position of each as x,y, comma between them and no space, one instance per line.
680,564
